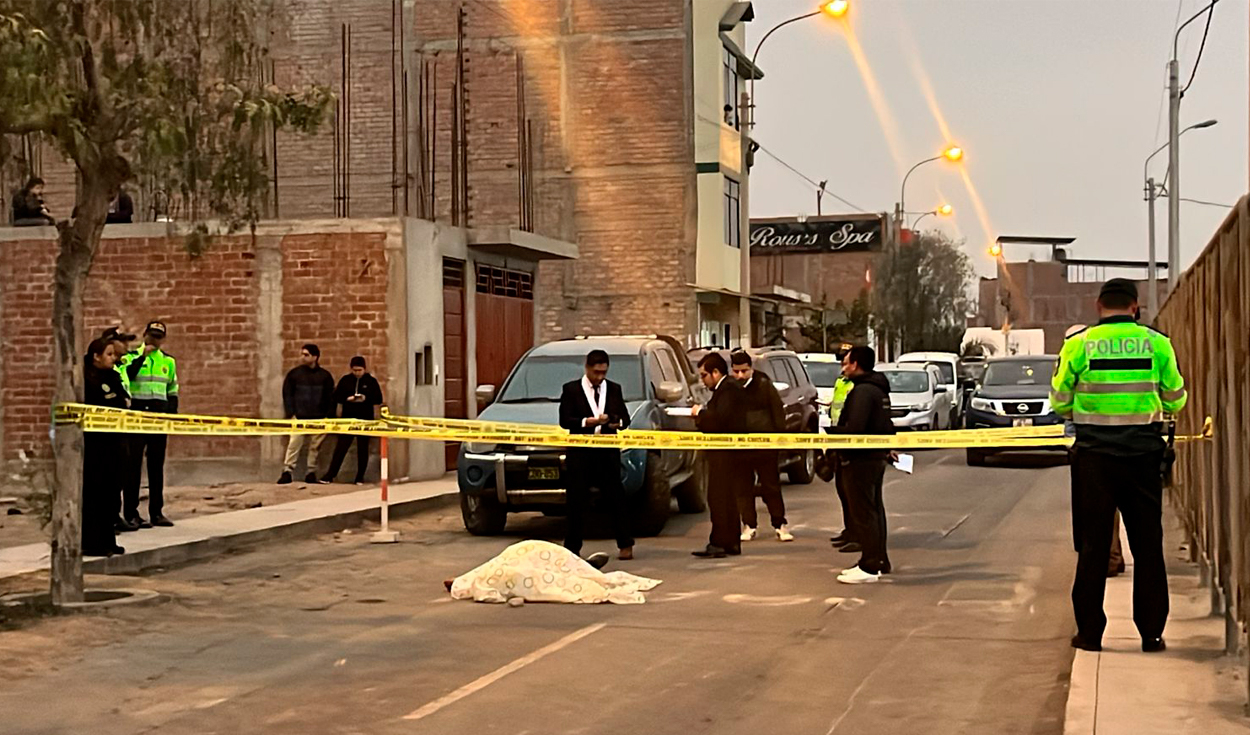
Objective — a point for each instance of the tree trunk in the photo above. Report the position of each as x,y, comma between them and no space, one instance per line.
79,241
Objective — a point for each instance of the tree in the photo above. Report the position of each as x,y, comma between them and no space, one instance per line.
920,297
166,89
850,325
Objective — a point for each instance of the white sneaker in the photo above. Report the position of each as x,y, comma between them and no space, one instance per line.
748,533
783,533
858,576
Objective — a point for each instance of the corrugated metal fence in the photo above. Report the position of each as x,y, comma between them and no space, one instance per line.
1208,319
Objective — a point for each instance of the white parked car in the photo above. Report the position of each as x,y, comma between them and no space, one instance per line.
949,364
917,396
824,369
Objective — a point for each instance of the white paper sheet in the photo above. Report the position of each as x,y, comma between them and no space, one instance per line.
679,411
906,463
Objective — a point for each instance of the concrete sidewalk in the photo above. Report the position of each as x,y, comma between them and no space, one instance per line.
204,536
1193,687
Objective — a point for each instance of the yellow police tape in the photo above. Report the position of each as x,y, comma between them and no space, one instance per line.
104,419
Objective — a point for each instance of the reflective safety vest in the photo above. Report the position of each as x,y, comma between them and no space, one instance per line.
841,390
157,379
1117,373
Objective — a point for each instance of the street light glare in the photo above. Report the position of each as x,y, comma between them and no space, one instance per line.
996,250
945,210
954,153
836,8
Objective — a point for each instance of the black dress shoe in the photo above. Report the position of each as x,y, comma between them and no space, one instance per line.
161,521
843,542
124,526
1153,645
598,560
118,549
1084,645
734,550
711,552
851,548
91,551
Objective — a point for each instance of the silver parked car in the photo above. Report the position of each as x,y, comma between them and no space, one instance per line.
917,396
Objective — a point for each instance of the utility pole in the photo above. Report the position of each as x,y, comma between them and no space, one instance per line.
1152,276
820,193
746,117
1174,174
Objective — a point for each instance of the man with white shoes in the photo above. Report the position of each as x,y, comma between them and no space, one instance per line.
867,411
764,415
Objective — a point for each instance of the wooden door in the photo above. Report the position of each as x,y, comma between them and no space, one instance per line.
504,321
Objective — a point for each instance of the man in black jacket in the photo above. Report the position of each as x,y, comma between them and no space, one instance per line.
307,393
359,394
764,415
595,405
867,411
725,413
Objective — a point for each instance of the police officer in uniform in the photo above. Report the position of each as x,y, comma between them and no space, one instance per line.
1116,381
841,389
102,387
121,348
154,387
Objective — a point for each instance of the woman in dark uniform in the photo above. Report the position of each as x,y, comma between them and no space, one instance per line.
100,486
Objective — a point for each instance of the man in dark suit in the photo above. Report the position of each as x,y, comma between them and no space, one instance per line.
765,415
725,413
594,405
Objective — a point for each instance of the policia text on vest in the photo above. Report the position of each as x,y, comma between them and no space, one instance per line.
153,376
1118,382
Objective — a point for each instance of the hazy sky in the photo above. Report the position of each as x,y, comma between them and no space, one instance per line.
1056,102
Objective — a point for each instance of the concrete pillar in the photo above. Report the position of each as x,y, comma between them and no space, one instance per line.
399,376
269,367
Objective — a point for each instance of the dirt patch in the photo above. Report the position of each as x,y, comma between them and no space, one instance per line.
181,502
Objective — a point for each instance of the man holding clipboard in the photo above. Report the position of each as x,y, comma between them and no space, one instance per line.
594,405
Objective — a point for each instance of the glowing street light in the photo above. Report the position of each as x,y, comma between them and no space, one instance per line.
836,8
953,154
945,210
996,250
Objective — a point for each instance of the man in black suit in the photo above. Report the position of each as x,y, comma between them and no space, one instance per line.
725,413
765,415
594,405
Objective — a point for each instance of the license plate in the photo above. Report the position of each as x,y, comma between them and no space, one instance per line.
1018,422
544,473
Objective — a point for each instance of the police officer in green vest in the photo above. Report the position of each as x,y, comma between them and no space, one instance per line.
1116,381
121,346
153,387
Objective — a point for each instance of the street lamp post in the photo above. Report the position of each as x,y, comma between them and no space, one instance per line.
952,153
943,211
1174,153
1152,193
746,122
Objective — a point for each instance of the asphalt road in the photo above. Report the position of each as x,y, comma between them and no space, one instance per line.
334,635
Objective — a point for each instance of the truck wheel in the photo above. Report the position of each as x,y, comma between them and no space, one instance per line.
483,515
976,458
692,494
655,500
802,472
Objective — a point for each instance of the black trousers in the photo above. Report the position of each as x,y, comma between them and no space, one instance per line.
154,444
848,526
863,479
99,492
597,468
1134,485
724,487
760,466
343,444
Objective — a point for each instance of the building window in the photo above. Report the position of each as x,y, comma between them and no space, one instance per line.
733,87
504,282
733,212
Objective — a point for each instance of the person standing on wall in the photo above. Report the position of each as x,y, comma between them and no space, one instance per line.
307,393
595,405
101,387
724,414
153,377
764,415
359,394
867,411
1117,381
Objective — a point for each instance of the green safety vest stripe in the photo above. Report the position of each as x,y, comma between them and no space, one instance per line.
1144,386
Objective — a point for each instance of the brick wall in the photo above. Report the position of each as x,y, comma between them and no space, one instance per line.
334,290
613,149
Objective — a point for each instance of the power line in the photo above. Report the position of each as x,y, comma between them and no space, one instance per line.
815,184
1201,47
1209,204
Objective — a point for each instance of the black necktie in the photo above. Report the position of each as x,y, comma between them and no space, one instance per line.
596,406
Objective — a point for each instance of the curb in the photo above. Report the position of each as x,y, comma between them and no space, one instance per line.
131,563
1081,713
